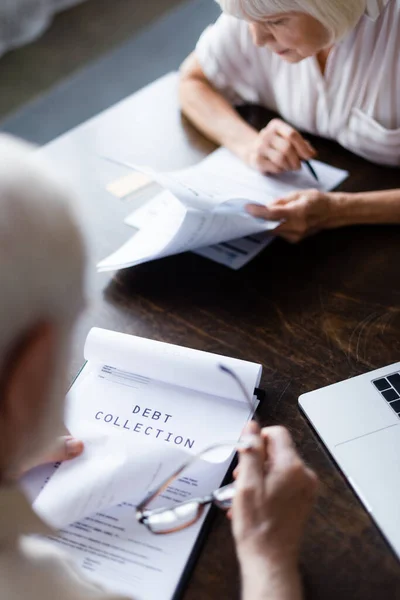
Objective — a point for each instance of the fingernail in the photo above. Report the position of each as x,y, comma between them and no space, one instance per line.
250,209
73,447
254,210
250,428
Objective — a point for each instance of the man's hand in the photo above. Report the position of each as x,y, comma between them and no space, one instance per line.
303,213
65,447
278,148
275,492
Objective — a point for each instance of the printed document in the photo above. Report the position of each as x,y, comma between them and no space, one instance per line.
142,408
203,206
233,253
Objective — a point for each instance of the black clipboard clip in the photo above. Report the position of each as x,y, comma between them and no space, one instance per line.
259,394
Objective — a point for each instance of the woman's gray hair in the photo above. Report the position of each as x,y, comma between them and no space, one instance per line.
338,16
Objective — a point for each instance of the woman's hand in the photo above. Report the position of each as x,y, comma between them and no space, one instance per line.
303,213
275,492
278,148
64,448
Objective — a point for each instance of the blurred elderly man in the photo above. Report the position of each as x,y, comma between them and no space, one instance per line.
41,274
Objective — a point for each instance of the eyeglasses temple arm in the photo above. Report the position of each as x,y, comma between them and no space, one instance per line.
250,401
154,493
163,486
159,490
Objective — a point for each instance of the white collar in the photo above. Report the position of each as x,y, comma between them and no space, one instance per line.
16,515
374,8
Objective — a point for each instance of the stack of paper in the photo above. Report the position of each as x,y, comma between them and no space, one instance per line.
203,208
142,408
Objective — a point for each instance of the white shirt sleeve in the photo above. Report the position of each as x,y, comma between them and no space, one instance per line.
224,54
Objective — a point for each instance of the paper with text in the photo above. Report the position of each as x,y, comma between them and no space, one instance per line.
179,366
137,427
222,181
178,229
234,253
107,474
204,206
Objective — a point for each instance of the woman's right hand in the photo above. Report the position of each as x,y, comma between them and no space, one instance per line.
278,148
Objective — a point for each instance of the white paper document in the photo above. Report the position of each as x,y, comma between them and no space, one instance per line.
142,408
203,206
234,253
107,474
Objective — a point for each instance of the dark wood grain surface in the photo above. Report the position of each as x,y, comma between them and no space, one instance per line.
312,314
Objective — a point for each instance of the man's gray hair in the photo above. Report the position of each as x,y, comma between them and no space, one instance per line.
41,248
338,16
41,273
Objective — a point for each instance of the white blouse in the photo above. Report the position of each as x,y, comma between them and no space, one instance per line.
356,102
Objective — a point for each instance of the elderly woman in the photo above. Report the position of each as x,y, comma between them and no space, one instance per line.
328,67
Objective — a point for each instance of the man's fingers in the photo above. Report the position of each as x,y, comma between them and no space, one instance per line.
250,478
67,447
281,449
279,436
251,428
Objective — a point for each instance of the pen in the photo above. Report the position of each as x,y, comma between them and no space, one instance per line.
310,168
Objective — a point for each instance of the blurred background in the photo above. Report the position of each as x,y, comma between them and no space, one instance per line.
63,61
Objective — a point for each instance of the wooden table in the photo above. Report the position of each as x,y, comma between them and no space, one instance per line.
312,314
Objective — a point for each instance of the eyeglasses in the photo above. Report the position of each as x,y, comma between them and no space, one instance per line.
170,520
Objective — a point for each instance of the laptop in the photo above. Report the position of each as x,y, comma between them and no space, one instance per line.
359,422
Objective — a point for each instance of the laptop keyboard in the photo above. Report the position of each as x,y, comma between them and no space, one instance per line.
389,388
